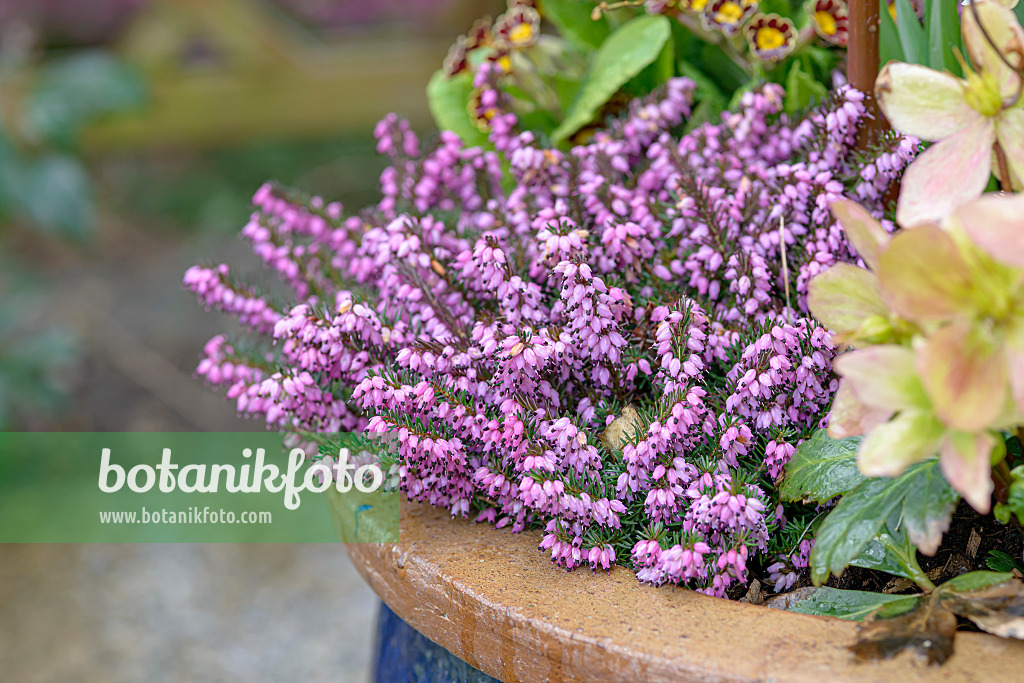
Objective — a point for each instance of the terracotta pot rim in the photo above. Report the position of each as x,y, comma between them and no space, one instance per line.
493,600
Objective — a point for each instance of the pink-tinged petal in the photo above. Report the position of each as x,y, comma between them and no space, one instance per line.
892,447
922,102
996,224
1002,27
1015,365
949,173
851,417
1010,133
865,233
846,299
924,277
883,377
965,460
964,373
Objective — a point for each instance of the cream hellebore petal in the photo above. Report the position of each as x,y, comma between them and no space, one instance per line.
996,224
922,102
948,174
964,374
1010,133
965,460
865,233
852,417
883,377
924,276
892,447
1004,30
847,300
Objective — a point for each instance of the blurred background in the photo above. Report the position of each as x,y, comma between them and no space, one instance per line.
132,135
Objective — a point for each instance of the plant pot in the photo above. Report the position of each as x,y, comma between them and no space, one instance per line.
492,599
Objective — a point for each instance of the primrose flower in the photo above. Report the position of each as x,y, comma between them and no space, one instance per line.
965,117
771,37
518,27
727,16
831,22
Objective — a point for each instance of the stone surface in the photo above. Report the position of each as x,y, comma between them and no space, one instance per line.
492,599
197,613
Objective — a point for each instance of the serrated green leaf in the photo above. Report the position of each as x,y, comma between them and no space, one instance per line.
973,581
821,469
623,55
860,516
573,20
852,605
76,90
802,89
998,561
889,48
913,37
448,99
927,509
890,551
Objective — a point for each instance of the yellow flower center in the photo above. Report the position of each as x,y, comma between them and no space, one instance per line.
505,63
982,93
521,33
769,38
826,22
697,5
729,13
892,10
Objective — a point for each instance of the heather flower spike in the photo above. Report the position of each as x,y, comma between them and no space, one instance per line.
964,117
771,37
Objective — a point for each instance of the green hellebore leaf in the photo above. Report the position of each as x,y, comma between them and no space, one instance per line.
974,581
912,34
890,551
848,604
861,515
889,48
821,469
625,53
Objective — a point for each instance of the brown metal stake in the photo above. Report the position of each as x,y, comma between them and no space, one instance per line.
862,63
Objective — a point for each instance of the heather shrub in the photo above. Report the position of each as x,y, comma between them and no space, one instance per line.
608,341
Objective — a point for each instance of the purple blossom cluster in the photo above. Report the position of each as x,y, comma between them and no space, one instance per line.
608,341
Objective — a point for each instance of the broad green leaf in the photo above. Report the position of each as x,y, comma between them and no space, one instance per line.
56,194
943,25
802,89
655,74
448,99
890,552
821,469
74,91
973,581
860,516
572,19
623,55
912,34
998,561
889,48
852,605
927,509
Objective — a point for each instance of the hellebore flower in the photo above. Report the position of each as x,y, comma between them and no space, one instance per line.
884,378
964,117
518,27
955,308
